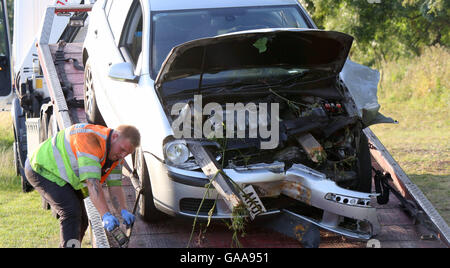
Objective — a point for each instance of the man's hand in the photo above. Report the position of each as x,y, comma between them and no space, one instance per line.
128,218
110,222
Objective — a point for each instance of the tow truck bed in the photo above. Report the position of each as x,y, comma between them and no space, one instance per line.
397,231
73,51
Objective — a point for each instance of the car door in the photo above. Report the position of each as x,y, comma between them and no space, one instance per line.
106,30
124,96
5,58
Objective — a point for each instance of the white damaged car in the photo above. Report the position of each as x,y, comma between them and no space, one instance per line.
274,100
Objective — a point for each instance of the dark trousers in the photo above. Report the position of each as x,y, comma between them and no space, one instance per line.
68,204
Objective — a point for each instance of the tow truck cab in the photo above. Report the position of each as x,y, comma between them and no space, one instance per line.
23,88
5,57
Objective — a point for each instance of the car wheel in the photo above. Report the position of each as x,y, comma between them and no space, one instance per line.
147,207
90,103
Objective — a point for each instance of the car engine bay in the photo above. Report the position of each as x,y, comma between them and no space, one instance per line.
317,128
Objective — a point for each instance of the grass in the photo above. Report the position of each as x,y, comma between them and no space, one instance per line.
416,92
23,222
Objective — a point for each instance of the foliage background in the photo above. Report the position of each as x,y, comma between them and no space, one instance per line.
408,41
385,30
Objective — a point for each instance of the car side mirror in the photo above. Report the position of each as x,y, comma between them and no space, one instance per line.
123,71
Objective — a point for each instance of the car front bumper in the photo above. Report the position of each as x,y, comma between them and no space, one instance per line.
172,187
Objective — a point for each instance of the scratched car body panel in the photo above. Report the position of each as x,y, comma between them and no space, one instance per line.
259,54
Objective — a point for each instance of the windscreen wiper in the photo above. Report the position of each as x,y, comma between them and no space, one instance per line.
320,75
213,88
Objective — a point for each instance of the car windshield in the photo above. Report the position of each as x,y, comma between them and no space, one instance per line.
172,28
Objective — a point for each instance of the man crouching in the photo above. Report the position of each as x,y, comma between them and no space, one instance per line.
73,165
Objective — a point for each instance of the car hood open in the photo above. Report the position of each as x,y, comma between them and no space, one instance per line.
290,48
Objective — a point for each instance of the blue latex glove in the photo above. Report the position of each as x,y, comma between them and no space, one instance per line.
110,222
128,218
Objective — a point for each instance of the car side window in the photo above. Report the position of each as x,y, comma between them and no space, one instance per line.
131,41
117,16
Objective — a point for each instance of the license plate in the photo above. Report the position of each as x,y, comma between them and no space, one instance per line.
251,199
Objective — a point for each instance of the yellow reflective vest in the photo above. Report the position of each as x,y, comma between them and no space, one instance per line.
76,154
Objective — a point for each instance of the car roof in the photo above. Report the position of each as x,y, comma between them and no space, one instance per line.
159,5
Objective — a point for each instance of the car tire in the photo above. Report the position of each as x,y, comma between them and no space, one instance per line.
147,207
93,115
364,165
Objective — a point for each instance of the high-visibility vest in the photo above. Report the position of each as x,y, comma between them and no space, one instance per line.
76,154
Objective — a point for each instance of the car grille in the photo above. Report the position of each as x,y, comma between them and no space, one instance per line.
191,205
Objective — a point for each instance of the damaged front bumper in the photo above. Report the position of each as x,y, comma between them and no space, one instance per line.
311,187
307,186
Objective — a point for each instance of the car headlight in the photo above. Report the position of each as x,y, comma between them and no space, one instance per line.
176,152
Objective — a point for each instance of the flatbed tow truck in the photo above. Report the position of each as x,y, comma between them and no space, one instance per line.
407,220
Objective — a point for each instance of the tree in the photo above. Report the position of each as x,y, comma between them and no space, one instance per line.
385,30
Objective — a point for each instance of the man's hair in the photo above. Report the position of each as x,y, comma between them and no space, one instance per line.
131,133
